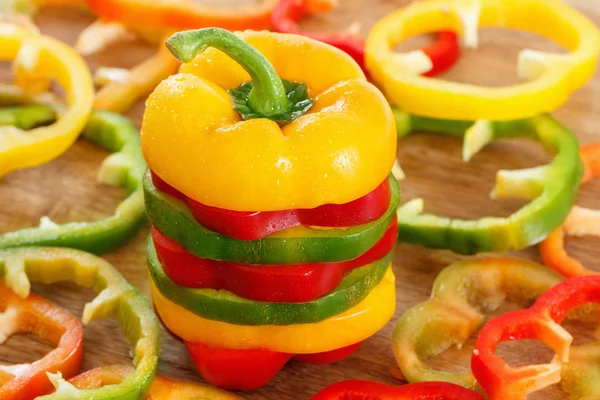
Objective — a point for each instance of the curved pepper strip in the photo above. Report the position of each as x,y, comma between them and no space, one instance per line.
162,388
116,297
36,315
318,109
540,322
462,295
300,245
551,77
439,57
581,222
225,306
38,60
551,188
123,168
348,328
259,224
365,390
272,283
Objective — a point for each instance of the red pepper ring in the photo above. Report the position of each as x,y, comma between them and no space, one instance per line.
259,224
365,390
443,54
271,283
581,221
542,322
39,316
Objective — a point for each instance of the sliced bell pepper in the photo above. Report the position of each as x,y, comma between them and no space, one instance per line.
37,61
551,188
540,322
365,390
231,143
250,369
116,297
462,295
299,245
34,314
273,283
440,56
551,77
581,222
162,388
227,307
350,327
258,224
124,168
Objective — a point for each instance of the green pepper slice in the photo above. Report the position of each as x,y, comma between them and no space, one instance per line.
299,245
123,168
551,188
222,305
116,297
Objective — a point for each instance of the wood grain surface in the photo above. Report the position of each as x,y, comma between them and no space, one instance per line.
65,190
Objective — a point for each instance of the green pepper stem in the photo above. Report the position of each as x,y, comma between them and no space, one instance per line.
267,97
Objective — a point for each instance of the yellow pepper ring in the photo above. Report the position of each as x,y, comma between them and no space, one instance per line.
338,151
553,77
38,60
352,326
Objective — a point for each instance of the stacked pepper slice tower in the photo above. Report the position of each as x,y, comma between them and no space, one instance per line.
272,203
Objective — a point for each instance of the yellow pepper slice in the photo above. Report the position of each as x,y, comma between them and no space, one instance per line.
342,148
38,60
352,326
552,77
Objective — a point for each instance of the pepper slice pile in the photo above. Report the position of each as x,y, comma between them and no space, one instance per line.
581,222
440,56
34,314
541,322
301,291
116,297
38,60
124,168
551,188
552,77
462,295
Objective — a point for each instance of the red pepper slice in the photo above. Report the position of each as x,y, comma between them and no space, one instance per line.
39,316
365,390
250,369
272,283
285,16
542,322
256,225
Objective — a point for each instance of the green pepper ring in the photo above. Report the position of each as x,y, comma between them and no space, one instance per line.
115,297
298,245
222,305
124,168
551,188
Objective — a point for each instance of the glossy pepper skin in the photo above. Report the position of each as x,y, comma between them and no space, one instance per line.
321,157
462,295
116,297
273,283
34,314
442,55
365,390
123,168
581,222
258,224
162,388
300,245
551,78
38,60
551,188
540,322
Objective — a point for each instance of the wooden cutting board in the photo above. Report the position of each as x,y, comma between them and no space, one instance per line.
65,190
